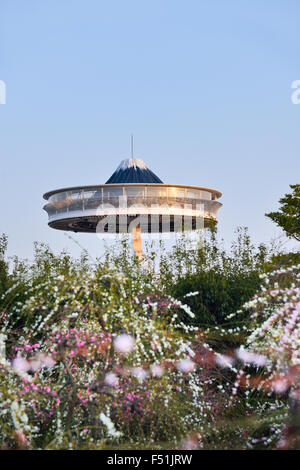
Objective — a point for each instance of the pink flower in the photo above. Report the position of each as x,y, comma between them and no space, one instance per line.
191,443
124,343
157,370
250,357
111,379
280,385
224,361
47,361
21,438
186,366
19,364
35,365
297,307
139,373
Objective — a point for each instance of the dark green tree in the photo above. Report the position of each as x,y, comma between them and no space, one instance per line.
288,215
4,275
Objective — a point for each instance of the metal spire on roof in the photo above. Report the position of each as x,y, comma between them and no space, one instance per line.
131,145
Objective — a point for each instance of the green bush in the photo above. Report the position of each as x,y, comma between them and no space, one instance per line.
216,295
65,383
221,280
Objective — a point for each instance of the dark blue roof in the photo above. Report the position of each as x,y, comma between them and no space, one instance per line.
133,170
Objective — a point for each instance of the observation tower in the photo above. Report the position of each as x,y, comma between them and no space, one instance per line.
133,200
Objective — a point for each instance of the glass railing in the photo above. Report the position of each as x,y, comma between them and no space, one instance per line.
90,199
132,191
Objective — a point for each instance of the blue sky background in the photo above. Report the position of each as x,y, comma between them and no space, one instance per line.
205,86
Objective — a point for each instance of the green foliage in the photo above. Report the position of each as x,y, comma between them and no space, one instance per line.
4,276
217,295
282,260
70,315
60,317
208,252
221,280
288,216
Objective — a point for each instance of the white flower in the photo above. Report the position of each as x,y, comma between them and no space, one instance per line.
111,430
124,343
19,417
111,379
186,366
2,346
191,294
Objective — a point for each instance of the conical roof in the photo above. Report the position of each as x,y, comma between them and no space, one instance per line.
133,170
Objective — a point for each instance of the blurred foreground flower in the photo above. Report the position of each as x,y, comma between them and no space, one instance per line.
224,361
124,343
139,373
186,366
111,379
157,370
251,357
191,442
20,365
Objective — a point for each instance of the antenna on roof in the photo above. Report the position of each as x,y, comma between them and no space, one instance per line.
131,145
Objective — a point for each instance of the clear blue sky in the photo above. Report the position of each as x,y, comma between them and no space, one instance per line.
205,86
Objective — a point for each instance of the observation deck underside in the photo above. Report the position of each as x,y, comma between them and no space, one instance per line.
147,224
153,207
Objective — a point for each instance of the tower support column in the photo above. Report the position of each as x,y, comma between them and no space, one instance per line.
137,242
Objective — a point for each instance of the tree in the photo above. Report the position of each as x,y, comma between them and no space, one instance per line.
4,276
288,216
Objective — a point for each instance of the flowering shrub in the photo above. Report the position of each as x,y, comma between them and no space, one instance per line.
96,356
93,358
266,369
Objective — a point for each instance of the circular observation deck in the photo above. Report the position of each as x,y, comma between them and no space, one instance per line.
154,207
